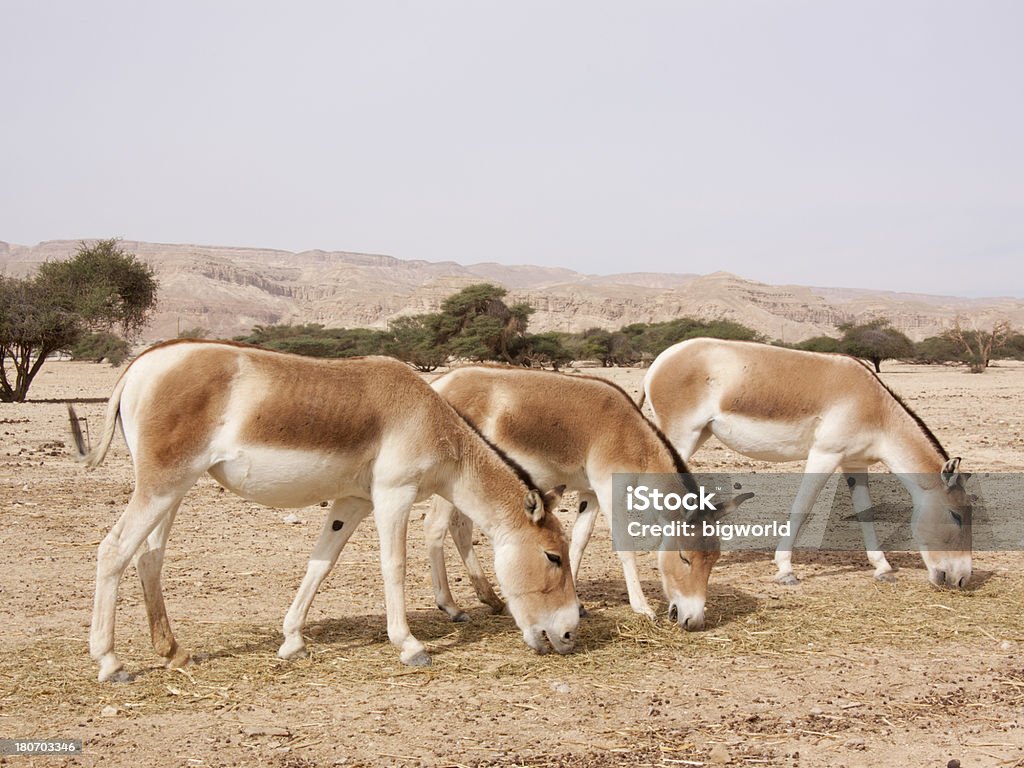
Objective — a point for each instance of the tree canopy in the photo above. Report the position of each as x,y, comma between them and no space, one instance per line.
314,340
100,289
875,341
976,346
106,287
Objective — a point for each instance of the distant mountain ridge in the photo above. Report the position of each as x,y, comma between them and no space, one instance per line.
229,290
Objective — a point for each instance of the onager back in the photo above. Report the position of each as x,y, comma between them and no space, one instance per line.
577,432
778,404
289,431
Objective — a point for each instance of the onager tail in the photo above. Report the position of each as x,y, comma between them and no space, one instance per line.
93,457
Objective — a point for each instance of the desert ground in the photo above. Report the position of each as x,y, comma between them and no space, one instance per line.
839,670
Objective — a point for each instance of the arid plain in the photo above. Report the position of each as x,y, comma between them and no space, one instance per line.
837,671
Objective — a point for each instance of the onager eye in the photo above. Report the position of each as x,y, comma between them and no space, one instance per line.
556,559
685,559
958,518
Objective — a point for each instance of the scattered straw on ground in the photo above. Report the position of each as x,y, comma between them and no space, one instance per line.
238,660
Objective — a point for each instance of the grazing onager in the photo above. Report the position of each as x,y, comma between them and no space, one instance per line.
778,404
288,431
577,431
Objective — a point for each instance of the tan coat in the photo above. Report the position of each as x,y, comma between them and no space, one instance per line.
285,430
833,412
576,431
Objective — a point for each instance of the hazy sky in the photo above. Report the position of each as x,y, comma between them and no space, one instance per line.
860,143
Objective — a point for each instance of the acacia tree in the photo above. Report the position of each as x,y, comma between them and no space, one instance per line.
31,329
99,289
875,341
104,285
543,349
413,339
610,347
976,345
476,323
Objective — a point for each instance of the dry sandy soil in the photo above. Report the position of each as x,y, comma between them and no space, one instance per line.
838,671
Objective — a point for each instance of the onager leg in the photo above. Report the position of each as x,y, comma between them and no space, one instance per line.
442,514
817,471
857,481
441,518
582,530
637,601
391,507
145,511
462,534
341,523
149,562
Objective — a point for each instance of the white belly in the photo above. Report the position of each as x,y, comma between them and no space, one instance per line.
290,478
765,440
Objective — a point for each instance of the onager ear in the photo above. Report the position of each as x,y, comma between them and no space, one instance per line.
534,506
723,508
731,505
552,497
951,475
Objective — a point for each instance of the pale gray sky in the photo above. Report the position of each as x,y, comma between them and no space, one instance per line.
864,143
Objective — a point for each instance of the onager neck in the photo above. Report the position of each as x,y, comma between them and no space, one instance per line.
486,488
911,452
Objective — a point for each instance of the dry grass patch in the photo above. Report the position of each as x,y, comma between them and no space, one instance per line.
238,666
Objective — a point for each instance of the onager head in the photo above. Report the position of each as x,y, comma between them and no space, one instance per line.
685,572
531,562
942,527
684,578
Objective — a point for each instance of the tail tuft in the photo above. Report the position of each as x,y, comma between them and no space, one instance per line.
81,449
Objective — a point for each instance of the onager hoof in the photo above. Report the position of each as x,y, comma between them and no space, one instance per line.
584,613
421,659
120,676
111,670
181,658
887,577
787,579
292,649
453,612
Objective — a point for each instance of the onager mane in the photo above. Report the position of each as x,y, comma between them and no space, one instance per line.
909,411
514,465
680,464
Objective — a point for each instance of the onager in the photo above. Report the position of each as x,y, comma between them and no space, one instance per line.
778,404
289,431
579,432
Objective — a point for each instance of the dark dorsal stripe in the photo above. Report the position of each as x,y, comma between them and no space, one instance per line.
907,409
522,474
677,460
920,422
